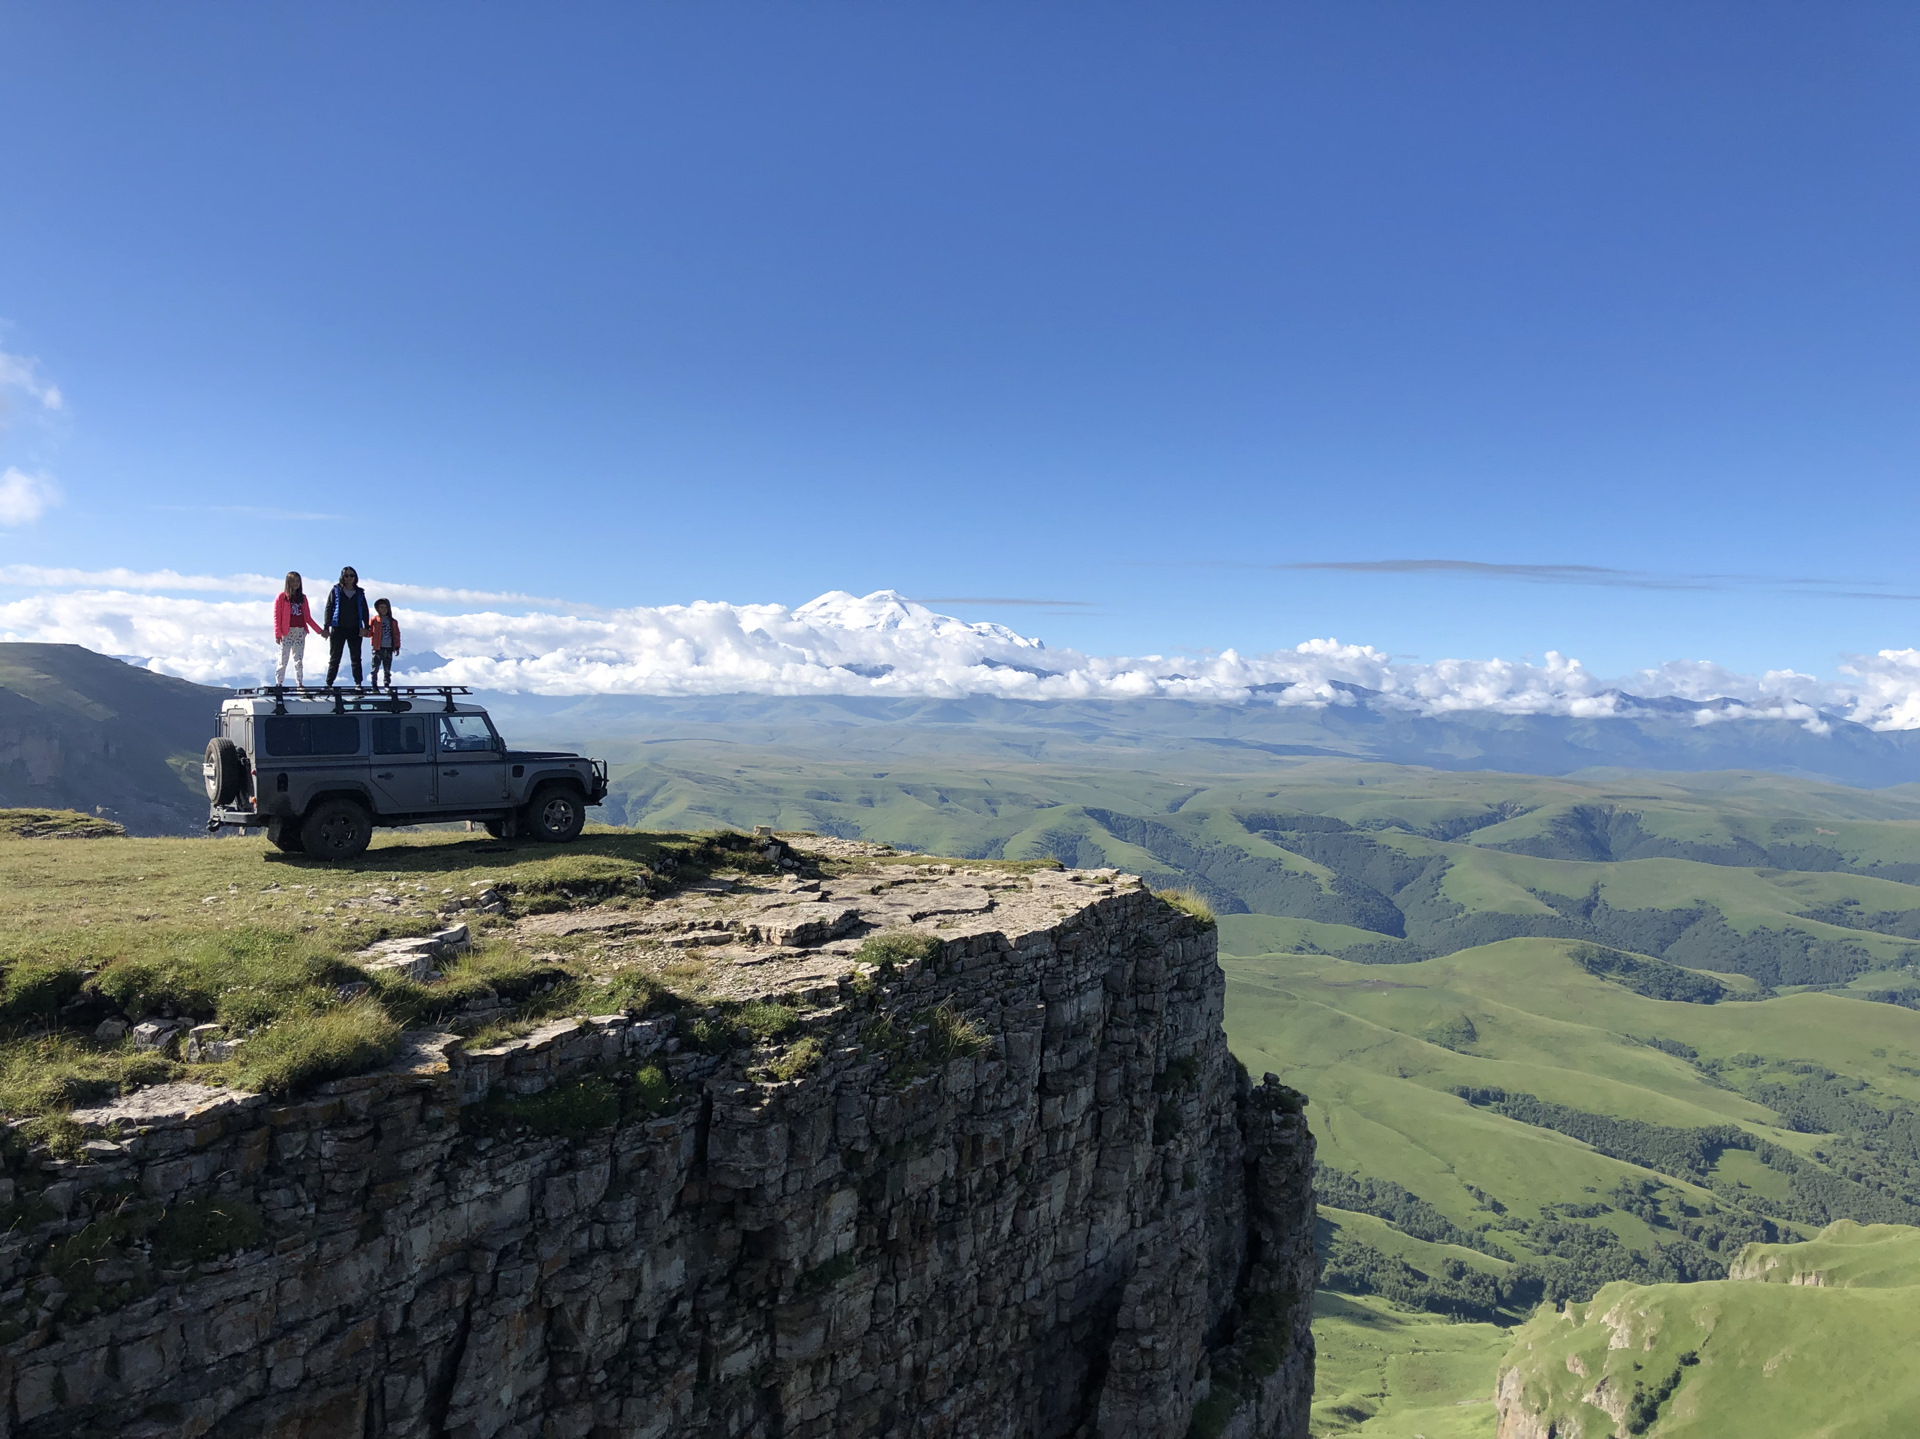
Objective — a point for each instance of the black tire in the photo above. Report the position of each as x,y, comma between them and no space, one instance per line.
557,813
496,827
224,769
284,835
336,829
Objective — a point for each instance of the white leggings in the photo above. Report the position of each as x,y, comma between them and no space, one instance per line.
294,646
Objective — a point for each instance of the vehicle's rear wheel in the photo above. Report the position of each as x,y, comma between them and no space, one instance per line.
557,813
336,829
284,835
224,769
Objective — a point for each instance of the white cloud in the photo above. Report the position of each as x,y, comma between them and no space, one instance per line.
24,497
172,581
885,645
19,372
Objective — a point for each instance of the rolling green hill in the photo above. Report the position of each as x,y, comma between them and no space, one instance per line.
1762,1360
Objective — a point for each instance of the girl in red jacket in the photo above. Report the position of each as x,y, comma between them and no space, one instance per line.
292,618
384,631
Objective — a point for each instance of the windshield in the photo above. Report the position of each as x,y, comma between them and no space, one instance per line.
459,733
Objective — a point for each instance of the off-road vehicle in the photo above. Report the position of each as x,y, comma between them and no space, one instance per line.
318,769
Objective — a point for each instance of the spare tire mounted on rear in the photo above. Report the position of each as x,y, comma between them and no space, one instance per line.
225,770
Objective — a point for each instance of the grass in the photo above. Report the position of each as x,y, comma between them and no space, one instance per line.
1770,1361
1189,902
235,933
1360,1039
798,1061
56,824
1384,1373
290,1057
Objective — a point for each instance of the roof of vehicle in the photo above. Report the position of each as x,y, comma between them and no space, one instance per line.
318,702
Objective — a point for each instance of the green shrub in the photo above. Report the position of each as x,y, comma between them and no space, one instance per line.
653,1091
897,947
766,1021
569,1111
630,990
952,1036
202,1229
32,993
710,1034
302,1051
826,1275
1178,1074
797,1061
1166,1120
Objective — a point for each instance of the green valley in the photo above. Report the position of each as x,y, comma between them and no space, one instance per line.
1562,1036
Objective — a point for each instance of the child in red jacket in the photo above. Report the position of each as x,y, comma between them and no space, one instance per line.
292,618
384,631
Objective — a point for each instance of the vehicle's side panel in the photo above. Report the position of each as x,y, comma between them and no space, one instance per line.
305,756
403,763
468,776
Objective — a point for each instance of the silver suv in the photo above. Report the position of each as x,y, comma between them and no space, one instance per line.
319,769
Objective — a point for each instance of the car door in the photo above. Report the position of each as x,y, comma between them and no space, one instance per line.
469,763
403,763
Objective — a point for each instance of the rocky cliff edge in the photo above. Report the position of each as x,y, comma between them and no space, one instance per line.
1007,1183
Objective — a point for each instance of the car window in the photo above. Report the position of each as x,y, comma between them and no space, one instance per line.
400,736
312,734
465,732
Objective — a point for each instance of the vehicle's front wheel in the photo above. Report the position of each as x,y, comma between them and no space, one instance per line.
336,829
557,813
284,835
497,828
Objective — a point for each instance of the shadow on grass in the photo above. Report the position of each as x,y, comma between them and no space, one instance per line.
480,851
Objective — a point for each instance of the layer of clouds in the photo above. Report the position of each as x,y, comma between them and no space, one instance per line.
885,645
24,497
173,582
1601,576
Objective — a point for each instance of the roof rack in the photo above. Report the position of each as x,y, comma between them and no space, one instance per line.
363,697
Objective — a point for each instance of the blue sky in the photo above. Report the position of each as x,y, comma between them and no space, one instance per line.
1127,307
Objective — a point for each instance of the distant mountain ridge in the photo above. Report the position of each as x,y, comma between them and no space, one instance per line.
1665,735
85,731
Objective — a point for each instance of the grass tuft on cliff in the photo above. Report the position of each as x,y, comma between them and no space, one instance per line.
1189,902
57,824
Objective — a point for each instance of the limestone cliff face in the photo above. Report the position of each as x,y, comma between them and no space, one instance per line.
1092,1226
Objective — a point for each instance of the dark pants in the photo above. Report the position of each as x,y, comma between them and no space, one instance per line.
343,638
383,659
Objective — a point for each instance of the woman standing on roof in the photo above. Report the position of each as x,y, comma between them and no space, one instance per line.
345,624
292,618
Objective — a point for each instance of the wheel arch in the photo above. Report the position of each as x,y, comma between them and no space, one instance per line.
357,793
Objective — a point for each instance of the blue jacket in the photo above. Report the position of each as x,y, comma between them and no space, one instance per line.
337,602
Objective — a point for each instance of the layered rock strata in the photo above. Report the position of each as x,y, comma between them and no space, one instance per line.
1017,1187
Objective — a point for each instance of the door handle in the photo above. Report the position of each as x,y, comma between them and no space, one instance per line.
449,771
385,774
